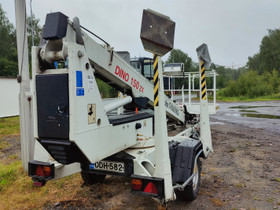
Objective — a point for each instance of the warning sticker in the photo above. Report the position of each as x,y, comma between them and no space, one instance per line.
90,83
91,113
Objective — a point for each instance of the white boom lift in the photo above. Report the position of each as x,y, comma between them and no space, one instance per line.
75,130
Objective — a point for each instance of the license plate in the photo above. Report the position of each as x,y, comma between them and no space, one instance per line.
110,166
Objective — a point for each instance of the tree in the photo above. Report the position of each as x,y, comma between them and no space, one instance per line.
33,25
8,52
268,57
178,56
8,48
37,30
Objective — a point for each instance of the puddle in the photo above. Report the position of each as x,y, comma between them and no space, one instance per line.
217,123
244,112
249,107
266,116
251,111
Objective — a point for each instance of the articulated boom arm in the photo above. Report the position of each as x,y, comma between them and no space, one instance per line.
113,68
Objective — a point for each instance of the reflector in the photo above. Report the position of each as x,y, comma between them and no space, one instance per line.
151,188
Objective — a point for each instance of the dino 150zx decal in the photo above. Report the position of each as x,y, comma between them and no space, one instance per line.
126,77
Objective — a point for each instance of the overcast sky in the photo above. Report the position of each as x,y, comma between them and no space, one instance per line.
232,29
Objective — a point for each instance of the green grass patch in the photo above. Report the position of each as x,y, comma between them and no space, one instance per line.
4,145
277,179
9,126
9,173
272,97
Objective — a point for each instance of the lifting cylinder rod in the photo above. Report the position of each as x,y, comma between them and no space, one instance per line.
117,104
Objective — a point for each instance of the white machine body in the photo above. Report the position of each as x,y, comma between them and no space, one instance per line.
74,128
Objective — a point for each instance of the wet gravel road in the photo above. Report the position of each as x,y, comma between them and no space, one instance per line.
264,115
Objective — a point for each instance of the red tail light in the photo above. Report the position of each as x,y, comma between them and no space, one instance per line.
151,186
47,170
40,172
136,184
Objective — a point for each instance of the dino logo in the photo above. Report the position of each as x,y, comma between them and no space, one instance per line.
122,74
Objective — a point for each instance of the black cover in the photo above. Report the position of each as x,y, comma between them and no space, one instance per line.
55,26
63,151
53,106
128,117
182,155
137,102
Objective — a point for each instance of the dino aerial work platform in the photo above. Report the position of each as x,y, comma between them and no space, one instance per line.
75,130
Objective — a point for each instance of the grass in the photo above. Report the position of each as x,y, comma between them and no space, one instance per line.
8,174
271,97
16,188
9,126
3,144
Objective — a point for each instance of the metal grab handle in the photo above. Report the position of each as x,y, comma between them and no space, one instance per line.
181,187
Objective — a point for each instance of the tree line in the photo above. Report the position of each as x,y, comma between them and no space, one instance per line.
8,44
262,72
259,77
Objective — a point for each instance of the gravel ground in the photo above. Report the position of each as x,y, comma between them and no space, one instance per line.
242,173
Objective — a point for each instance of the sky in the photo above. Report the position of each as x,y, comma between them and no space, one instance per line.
232,29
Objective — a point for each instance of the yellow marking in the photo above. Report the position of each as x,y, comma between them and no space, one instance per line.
202,77
155,76
156,101
156,88
203,70
203,84
203,91
156,61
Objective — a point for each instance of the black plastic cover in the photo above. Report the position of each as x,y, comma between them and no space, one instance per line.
63,151
182,155
137,102
52,106
128,117
55,26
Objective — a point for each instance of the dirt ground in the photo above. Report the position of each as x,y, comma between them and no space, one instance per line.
242,173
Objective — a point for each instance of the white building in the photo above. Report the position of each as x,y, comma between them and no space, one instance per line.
9,95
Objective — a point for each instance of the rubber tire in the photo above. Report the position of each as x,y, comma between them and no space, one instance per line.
92,178
189,193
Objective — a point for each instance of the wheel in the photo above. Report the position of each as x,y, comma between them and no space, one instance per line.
92,178
191,190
